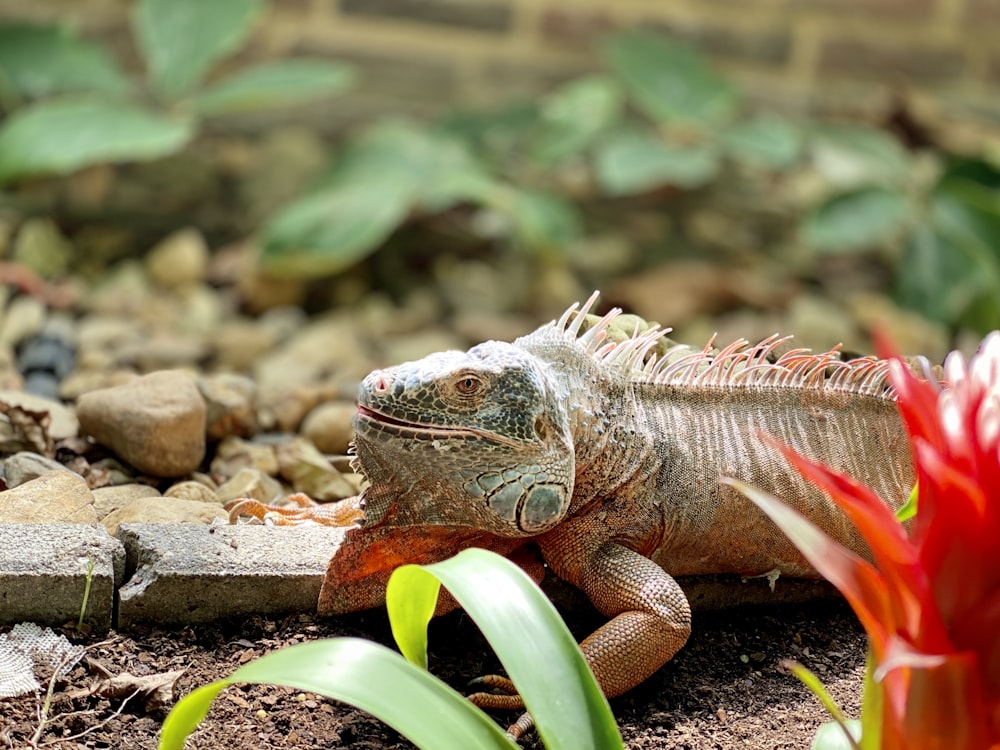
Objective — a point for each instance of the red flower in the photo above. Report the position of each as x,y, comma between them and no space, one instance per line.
931,601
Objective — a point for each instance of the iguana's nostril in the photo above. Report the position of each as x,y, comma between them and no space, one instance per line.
381,383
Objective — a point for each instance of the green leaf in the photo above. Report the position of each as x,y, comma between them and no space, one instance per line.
544,222
908,509
850,156
856,220
39,61
60,137
366,675
333,229
393,169
524,629
411,598
950,269
670,81
181,39
273,85
634,161
575,115
765,141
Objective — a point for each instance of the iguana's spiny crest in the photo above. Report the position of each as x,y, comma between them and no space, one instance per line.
492,429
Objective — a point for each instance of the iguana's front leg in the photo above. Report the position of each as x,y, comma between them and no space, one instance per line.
650,616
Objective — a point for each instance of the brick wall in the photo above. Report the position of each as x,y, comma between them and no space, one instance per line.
420,56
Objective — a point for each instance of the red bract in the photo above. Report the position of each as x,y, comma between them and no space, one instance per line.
931,601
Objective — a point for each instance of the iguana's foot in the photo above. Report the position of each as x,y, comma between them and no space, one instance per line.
506,699
302,510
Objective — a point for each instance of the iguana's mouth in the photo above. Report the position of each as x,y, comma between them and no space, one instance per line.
403,427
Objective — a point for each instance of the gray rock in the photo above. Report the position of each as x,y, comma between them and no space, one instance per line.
24,466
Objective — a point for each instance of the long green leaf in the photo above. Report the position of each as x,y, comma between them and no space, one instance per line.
670,81
181,39
524,629
274,84
366,675
39,61
59,137
856,220
633,161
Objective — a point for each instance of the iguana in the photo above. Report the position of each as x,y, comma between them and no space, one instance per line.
608,457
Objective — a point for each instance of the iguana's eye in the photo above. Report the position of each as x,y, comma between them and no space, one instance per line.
468,385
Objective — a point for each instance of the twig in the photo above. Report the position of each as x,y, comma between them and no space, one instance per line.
96,726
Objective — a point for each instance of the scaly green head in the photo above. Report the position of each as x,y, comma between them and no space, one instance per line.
478,439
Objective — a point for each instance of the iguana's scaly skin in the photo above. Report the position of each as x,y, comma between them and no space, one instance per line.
609,457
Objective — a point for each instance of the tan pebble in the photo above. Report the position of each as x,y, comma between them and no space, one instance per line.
192,490
156,423
180,259
164,510
329,426
109,499
54,497
253,484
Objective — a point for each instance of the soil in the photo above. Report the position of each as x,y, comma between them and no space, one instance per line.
725,689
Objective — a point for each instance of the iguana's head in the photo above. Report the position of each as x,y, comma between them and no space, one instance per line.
478,439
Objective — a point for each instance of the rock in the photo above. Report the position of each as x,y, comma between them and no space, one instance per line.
231,403
42,248
417,345
24,466
238,344
63,422
251,483
179,260
309,471
109,499
164,510
84,381
23,318
193,490
156,422
233,454
54,497
329,426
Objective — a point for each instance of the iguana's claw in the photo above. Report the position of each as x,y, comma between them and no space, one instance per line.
302,510
507,699
520,727
494,682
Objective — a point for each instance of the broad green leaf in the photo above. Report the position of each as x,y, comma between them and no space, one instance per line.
633,161
951,267
181,39
412,598
575,115
544,222
60,137
393,169
765,141
849,156
908,509
670,81
856,220
328,231
366,675
524,629
38,61
273,85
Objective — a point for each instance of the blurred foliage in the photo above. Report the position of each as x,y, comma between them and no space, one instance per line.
661,123
69,105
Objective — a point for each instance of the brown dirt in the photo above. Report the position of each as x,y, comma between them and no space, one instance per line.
724,690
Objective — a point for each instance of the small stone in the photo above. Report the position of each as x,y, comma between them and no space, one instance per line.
195,491
329,426
24,466
110,499
156,423
233,454
310,472
23,318
164,510
231,403
54,497
84,381
42,248
253,484
180,259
